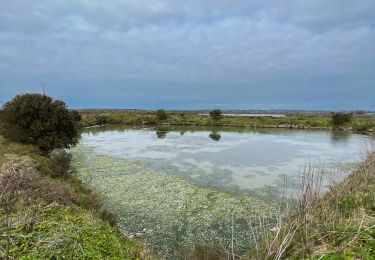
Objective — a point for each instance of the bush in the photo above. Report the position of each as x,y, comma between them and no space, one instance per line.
161,114
60,163
216,114
361,127
101,120
339,119
76,115
39,120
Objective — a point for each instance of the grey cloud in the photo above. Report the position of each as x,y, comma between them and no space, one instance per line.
239,44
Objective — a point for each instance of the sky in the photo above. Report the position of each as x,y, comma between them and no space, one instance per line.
196,54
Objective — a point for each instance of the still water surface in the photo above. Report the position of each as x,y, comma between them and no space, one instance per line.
244,158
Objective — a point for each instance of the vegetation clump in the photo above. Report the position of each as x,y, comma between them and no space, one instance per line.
161,114
298,120
339,119
216,114
39,120
338,225
42,216
60,163
52,218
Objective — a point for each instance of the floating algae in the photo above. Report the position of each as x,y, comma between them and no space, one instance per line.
176,212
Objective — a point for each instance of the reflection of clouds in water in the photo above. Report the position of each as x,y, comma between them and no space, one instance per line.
246,159
145,144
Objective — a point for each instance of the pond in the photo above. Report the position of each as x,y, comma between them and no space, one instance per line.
177,187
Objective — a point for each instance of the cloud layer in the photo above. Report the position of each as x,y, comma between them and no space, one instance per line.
180,54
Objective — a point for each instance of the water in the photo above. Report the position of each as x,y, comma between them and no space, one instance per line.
184,185
247,159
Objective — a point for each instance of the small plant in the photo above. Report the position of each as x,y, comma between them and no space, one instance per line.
347,204
60,163
161,114
216,114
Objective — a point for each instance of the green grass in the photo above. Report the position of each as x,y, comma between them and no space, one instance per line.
292,120
66,233
53,218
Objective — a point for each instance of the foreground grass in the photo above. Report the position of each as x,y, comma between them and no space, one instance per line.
360,122
64,232
53,218
339,225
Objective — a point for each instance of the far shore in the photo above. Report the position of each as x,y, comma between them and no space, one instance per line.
361,122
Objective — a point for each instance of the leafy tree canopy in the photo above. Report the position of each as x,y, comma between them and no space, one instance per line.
161,114
339,119
39,120
216,114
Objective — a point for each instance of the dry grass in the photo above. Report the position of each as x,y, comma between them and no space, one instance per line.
341,223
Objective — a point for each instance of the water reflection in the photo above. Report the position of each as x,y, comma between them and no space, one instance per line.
340,136
161,134
245,158
215,136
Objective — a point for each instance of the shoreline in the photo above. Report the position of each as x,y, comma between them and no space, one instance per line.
308,121
284,126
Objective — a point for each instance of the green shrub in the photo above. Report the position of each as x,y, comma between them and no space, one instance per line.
60,163
161,114
39,120
101,120
216,114
339,119
361,126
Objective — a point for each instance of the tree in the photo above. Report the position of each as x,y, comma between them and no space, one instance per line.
216,114
39,120
161,114
339,119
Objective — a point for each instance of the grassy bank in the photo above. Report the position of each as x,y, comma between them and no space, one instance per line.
360,122
44,217
338,225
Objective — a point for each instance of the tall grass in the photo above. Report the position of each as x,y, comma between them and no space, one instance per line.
338,223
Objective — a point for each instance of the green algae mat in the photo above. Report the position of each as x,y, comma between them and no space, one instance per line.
168,212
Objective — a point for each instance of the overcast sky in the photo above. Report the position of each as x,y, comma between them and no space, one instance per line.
244,54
